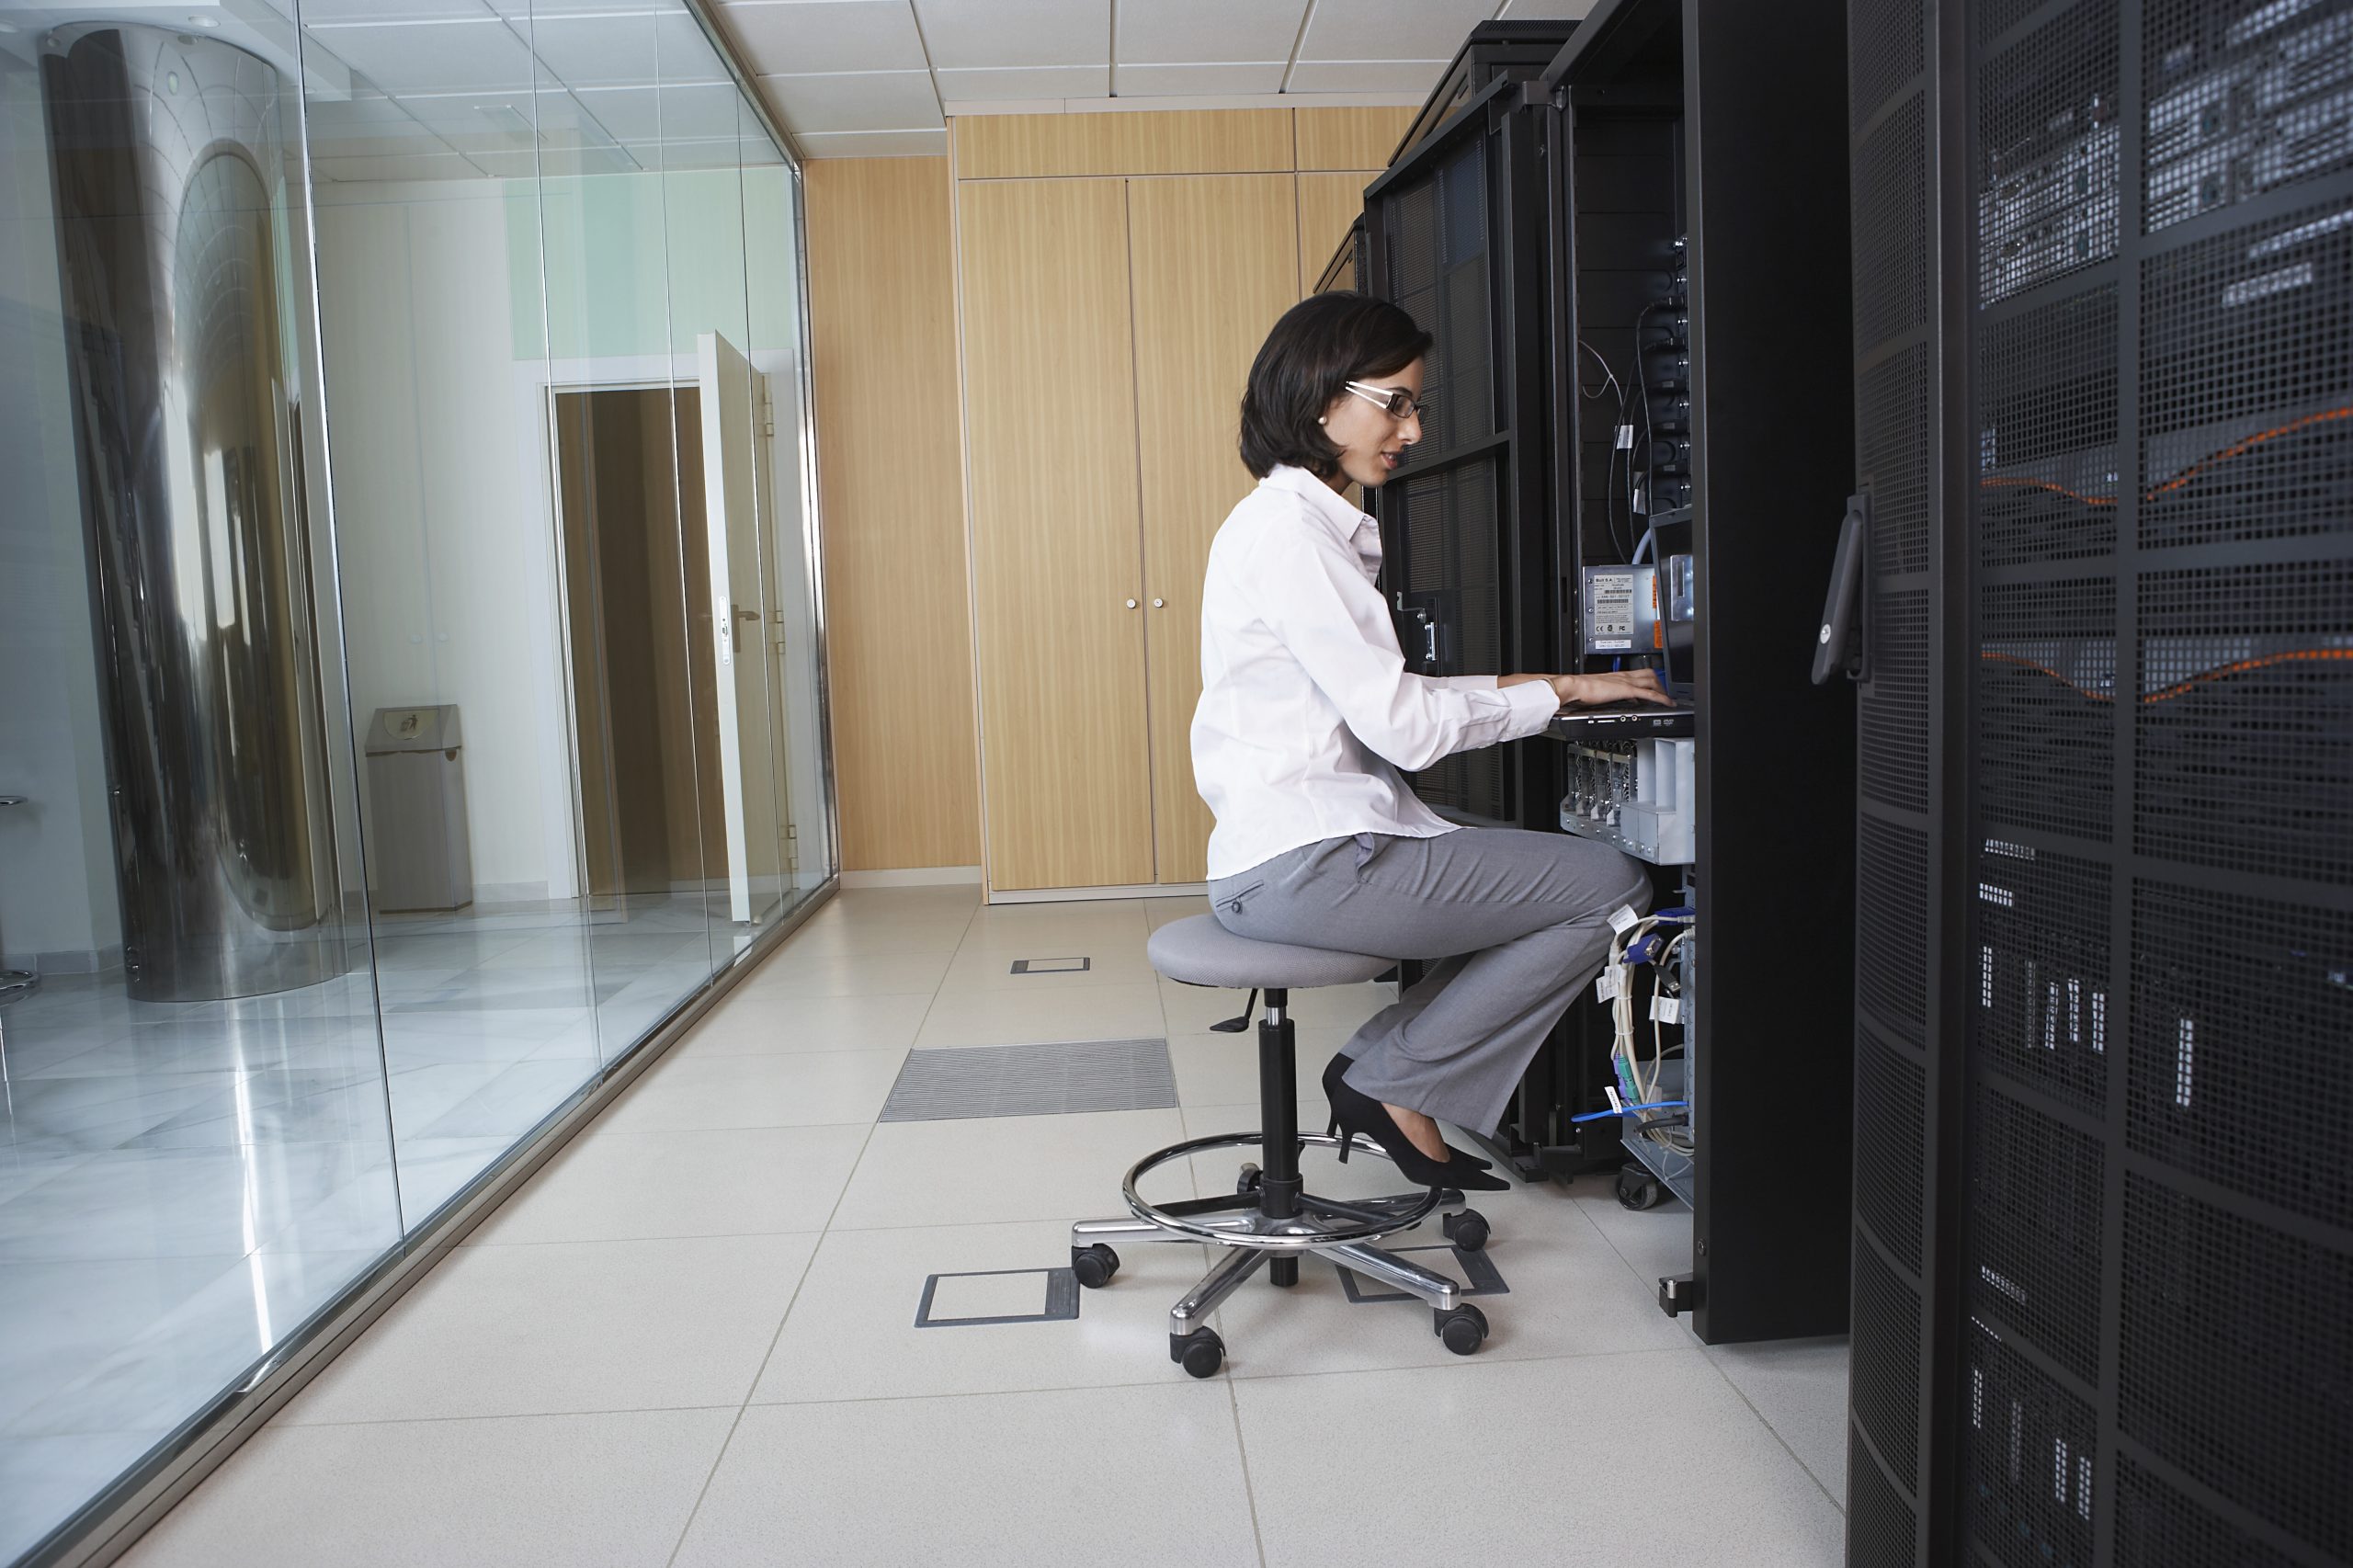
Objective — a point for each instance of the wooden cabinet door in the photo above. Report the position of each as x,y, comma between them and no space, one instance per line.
1215,259
1051,433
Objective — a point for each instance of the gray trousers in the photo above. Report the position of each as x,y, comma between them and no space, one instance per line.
1517,923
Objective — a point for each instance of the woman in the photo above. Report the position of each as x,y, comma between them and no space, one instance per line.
1308,716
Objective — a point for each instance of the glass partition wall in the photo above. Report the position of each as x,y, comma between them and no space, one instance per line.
409,637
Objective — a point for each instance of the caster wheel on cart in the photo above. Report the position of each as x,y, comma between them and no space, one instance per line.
1093,1264
1639,1190
1467,1229
1464,1329
1248,1182
1201,1353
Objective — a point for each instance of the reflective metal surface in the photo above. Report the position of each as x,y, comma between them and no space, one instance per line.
172,182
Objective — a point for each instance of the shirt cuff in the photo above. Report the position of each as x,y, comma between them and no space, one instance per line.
1466,682
1533,704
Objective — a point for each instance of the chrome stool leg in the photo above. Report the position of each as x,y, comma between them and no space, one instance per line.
1396,1273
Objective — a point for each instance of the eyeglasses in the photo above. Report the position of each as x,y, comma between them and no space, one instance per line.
1396,401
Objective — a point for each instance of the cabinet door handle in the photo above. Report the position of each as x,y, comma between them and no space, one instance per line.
1160,604
1131,604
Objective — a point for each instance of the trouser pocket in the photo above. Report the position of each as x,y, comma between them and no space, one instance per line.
1230,903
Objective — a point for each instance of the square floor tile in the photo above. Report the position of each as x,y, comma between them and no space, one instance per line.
1223,1069
986,1169
986,1016
563,1491
569,1327
769,1025
852,1335
1724,1492
617,1186
1799,1386
1136,1476
691,1092
846,973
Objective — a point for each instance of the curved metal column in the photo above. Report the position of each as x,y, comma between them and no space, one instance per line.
170,173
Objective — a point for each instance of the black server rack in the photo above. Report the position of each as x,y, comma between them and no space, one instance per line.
2103,1219
1698,261
1453,234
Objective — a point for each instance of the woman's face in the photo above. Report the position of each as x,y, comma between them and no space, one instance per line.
1371,440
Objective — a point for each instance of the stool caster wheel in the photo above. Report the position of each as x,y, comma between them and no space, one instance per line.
1093,1264
1467,1229
1201,1353
1464,1329
1637,1188
1248,1182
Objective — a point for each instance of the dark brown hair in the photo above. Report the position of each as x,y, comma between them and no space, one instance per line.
1322,344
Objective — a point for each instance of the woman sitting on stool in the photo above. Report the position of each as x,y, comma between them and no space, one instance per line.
1307,717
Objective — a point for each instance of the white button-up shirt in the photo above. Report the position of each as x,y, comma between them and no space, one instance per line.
1307,713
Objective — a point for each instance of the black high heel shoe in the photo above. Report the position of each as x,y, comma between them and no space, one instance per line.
1353,1112
1333,1071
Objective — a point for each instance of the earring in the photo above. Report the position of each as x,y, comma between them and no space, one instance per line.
1322,421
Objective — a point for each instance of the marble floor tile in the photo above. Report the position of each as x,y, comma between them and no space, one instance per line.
585,1491
562,1326
1154,1479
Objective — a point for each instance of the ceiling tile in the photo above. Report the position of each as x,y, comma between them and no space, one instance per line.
875,144
1365,76
1547,10
434,57
662,114
1156,32
976,34
878,100
616,49
1226,77
806,37
1390,29
1034,82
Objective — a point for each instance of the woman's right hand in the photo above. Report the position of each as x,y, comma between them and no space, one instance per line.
1610,686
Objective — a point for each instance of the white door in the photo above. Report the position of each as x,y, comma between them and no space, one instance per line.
738,618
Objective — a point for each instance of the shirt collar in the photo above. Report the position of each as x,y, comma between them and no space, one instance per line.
1327,504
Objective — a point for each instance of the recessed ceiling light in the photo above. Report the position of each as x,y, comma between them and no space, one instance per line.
205,21
8,26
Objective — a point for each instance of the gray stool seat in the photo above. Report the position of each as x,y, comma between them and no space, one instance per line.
1198,951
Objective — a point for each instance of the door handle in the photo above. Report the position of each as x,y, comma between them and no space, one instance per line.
1160,604
1131,604
1838,646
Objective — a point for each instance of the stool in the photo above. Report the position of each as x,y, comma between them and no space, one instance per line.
1271,1218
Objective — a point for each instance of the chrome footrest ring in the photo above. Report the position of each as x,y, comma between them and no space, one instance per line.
1300,1234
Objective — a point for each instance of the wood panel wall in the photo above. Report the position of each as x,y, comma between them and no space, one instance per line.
882,329
892,457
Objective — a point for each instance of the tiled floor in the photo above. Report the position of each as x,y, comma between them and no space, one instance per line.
692,1340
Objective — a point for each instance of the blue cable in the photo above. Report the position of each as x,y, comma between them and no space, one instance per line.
1654,1105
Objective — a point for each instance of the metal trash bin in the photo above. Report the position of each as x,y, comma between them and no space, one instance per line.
420,856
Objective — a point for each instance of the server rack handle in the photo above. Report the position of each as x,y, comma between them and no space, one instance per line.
1839,644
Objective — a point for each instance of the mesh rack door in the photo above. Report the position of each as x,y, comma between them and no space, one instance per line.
2127,1336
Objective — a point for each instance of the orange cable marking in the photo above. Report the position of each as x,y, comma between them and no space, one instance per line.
2186,476
2299,655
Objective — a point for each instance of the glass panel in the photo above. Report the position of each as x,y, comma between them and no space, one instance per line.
399,549
423,137
195,1152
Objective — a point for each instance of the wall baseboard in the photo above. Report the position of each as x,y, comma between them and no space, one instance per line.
1075,895
914,877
